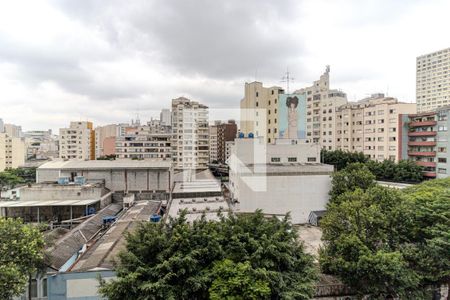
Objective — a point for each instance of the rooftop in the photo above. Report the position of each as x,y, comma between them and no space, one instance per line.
104,251
196,207
106,164
28,203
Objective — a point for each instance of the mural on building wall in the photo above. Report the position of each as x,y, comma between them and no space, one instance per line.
292,116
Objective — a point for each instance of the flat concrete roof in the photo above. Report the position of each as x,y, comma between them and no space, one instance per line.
275,169
106,164
10,204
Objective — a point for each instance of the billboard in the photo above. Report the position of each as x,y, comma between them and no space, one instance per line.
292,116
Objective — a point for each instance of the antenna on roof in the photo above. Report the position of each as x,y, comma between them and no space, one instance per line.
287,78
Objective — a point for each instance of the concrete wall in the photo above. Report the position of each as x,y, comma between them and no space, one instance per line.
47,175
76,286
281,194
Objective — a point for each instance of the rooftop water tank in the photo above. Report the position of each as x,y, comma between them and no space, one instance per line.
63,180
241,135
251,135
155,218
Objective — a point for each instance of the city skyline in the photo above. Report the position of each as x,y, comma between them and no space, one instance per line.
64,61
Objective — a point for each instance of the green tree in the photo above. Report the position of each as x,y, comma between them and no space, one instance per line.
21,254
354,176
178,260
9,180
382,241
235,281
341,159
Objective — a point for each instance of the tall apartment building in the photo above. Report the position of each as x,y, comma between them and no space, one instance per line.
105,140
2,126
77,142
12,152
190,134
321,106
433,80
372,126
426,141
165,117
145,141
219,134
41,144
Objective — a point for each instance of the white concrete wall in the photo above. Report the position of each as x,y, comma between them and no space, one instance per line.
281,194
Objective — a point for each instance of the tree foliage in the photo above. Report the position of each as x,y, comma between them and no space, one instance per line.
382,241
403,171
354,176
21,254
238,257
340,159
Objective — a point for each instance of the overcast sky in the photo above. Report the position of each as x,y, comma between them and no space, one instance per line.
106,61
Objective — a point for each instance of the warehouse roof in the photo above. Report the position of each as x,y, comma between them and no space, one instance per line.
106,164
9,204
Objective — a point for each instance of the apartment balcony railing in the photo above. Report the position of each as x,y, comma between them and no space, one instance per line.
421,143
422,123
426,164
422,153
429,174
422,133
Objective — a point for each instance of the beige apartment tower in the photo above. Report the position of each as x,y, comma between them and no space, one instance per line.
433,80
372,126
321,105
77,142
259,111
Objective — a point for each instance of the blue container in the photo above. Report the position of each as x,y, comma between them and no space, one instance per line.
251,135
155,218
241,135
109,220
81,180
63,180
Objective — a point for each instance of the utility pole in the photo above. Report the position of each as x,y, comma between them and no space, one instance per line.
287,78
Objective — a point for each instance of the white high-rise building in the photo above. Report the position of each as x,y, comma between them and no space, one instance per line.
77,142
433,80
165,117
12,152
2,126
41,144
190,134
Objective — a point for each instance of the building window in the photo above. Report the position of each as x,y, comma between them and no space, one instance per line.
257,94
275,159
442,171
292,159
442,128
442,159
311,159
442,149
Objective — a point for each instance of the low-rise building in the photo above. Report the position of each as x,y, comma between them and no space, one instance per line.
278,178
219,134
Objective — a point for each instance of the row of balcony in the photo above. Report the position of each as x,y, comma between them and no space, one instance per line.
422,133
422,123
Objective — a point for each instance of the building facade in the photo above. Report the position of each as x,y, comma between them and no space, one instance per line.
219,134
13,130
77,142
433,80
105,140
426,141
152,140
372,126
12,152
277,178
165,117
190,134
41,144
259,111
